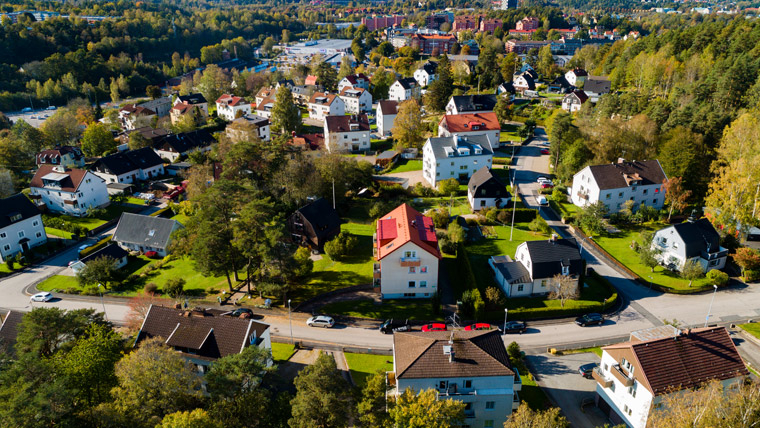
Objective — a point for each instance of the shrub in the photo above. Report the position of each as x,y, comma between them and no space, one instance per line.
440,218
501,161
456,233
521,215
513,349
341,246
539,225
90,291
447,187
10,263
559,194
151,288
473,304
717,277
174,287
72,290
447,246
751,275
98,245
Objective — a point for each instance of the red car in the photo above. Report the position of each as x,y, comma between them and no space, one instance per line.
436,326
544,151
150,254
546,185
479,326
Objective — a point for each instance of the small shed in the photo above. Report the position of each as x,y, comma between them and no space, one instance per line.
387,158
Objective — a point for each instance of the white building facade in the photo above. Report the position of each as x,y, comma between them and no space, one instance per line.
356,100
68,191
386,114
614,184
21,227
322,105
454,157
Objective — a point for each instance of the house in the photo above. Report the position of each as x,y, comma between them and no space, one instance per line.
522,47
427,73
174,146
310,80
265,107
197,100
525,81
160,105
595,87
67,156
355,81
506,89
323,104
478,103
112,251
489,25
470,124
150,134
347,133
132,116
21,226
635,377
528,24
143,233
312,145
560,85
386,114
404,89
302,93
314,224
68,191
429,43
455,157
407,254
616,183
181,110
129,167
229,107
464,22
691,241
356,100
469,366
485,190
265,93
573,101
576,77
203,335
9,330
249,127
535,265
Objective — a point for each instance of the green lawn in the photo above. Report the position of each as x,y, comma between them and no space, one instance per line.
415,309
111,212
183,219
58,232
135,201
456,206
282,351
596,350
406,165
618,245
58,282
362,366
752,328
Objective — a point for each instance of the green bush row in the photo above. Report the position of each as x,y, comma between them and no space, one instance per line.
98,245
502,161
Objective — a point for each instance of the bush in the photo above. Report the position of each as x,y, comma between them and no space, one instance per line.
72,290
501,161
717,277
473,304
447,187
90,291
447,246
10,263
559,194
440,218
751,275
174,287
539,225
151,288
514,351
341,246
521,215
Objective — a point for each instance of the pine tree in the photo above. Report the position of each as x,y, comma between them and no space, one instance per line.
285,115
441,89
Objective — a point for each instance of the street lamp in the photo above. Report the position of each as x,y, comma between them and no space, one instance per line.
711,303
102,302
290,321
506,310
651,280
515,191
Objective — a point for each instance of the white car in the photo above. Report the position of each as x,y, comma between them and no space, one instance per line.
320,321
43,296
542,200
540,180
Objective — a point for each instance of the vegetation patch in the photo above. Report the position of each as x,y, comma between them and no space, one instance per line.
413,309
406,165
362,366
282,351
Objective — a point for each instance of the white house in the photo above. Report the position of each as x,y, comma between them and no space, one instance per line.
160,105
478,103
355,81
576,77
68,191
535,265
323,104
195,100
454,157
129,167
692,241
525,81
132,116
357,100
470,124
404,89
573,101
228,106
248,127
143,233
21,226
427,73
469,366
386,114
595,87
634,377
68,156
347,133
174,146
616,183
406,250
485,190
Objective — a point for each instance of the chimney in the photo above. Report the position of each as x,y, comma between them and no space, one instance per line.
621,160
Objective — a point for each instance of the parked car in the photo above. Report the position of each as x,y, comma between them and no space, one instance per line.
150,254
590,319
541,199
515,327
240,311
541,179
43,296
51,108
586,369
320,321
547,185
26,110
544,151
436,326
479,326
392,326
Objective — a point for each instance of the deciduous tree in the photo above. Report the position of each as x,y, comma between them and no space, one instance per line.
322,397
675,195
408,127
372,406
425,410
97,140
101,270
525,417
563,288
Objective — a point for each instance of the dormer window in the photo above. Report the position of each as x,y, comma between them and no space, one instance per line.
15,217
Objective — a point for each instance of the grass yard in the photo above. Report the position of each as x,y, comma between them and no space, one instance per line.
282,351
363,366
415,309
618,246
183,219
406,165
596,350
58,232
111,212
456,206
135,201
751,328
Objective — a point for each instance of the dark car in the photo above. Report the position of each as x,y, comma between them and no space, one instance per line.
479,326
240,311
590,319
436,326
391,326
515,327
586,369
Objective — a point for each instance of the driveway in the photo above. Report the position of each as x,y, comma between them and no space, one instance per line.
558,377
413,177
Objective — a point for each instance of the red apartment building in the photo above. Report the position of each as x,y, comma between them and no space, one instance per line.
528,23
427,43
379,22
462,23
489,25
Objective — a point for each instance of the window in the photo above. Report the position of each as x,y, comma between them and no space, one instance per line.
423,284
2,235
632,389
520,287
35,223
543,283
620,195
468,384
612,387
423,269
490,405
7,247
608,196
21,234
654,201
713,262
443,384
412,269
410,294
39,234
633,188
408,254
644,191
411,284
657,190
488,424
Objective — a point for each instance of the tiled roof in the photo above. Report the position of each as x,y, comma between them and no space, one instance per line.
420,355
69,184
579,72
137,110
46,155
322,217
582,97
618,175
467,122
192,99
407,82
145,230
322,98
185,141
698,236
484,175
231,100
111,250
597,85
473,103
387,107
310,80
121,163
688,360
442,146
343,123
183,107
410,226
351,92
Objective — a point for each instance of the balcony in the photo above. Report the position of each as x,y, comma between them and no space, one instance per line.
600,379
583,195
518,382
391,387
410,261
376,271
469,414
515,401
618,373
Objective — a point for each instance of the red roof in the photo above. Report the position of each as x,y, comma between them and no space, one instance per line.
405,224
467,122
230,100
69,184
310,80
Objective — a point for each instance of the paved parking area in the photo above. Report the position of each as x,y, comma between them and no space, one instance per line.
558,377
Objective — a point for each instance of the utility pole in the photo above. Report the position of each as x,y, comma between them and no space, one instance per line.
333,185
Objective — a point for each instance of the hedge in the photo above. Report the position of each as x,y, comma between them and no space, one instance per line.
98,245
522,215
466,275
502,161
160,212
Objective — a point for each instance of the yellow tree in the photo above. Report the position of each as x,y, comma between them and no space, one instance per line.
525,417
408,127
425,410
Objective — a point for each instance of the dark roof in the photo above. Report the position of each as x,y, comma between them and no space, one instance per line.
122,163
111,250
252,119
698,236
192,98
407,82
144,230
9,329
484,176
46,156
69,181
430,67
512,271
582,97
201,334
476,354
343,123
186,141
688,360
597,85
562,82
322,217
619,175
548,256
579,72
16,204
388,154
473,103
150,133
387,107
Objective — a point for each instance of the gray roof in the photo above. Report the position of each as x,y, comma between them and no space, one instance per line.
698,236
619,175
9,330
407,82
547,257
476,102
144,230
514,272
484,178
431,68
597,85
111,250
439,145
